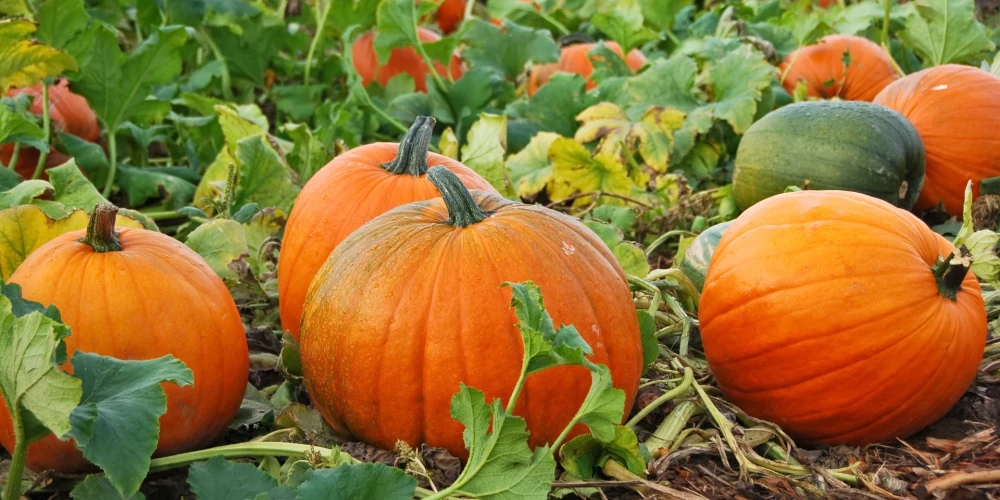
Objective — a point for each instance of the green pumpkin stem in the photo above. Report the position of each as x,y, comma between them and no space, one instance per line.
412,155
101,235
462,208
951,271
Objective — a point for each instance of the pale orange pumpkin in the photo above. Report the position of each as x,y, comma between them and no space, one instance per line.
574,59
828,313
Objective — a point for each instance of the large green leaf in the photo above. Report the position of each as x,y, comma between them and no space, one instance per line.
59,21
122,403
264,177
946,31
218,478
350,481
16,128
506,50
484,150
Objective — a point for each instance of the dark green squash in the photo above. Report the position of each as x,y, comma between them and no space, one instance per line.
844,145
698,256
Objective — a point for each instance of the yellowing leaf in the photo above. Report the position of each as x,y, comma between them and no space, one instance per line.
484,150
576,171
25,228
530,170
652,135
235,126
449,144
24,63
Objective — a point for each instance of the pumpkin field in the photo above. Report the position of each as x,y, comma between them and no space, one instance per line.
499,249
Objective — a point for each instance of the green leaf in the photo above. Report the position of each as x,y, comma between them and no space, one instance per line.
218,478
624,24
144,184
500,465
24,193
16,128
396,27
14,8
585,455
647,332
544,346
668,83
661,13
97,487
530,170
36,391
738,81
619,217
117,86
59,21
264,178
555,106
945,31
576,171
484,150
604,407
506,50
220,242
607,63
629,255
72,188
347,13
350,481
122,403
308,155
24,63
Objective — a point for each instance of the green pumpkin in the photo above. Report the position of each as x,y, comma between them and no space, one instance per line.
844,145
698,256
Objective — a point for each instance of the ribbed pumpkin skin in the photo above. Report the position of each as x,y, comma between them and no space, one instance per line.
155,297
956,110
869,71
573,59
698,255
820,313
383,360
345,194
404,60
69,113
840,145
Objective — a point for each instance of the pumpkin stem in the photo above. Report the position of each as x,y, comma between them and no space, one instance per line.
951,271
101,235
412,155
462,208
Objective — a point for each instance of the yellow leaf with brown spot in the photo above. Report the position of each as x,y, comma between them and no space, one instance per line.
651,136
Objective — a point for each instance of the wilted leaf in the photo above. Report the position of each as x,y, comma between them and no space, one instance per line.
530,169
24,63
651,136
576,171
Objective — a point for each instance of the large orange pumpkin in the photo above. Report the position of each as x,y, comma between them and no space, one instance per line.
349,191
140,294
821,67
822,312
401,60
574,59
69,113
956,111
411,304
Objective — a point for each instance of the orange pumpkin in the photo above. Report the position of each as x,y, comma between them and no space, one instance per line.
574,59
449,15
822,312
69,113
956,111
821,67
401,60
349,191
140,294
411,304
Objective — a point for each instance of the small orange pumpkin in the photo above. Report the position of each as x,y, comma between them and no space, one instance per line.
69,113
411,304
449,15
574,59
140,294
956,111
401,60
349,191
827,313
821,67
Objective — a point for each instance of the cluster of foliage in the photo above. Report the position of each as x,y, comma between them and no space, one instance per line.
215,113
